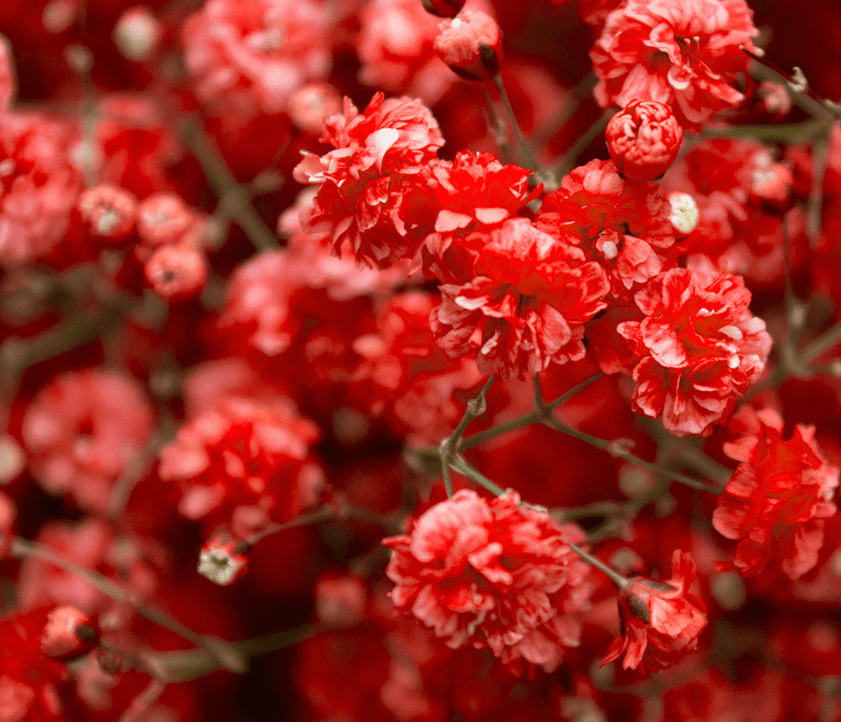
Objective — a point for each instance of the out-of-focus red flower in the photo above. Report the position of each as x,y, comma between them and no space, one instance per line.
69,633
733,233
7,520
643,139
91,544
776,502
252,55
82,430
622,225
659,621
108,212
470,45
684,54
176,272
39,185
493,574
471,194
366,180
772,188
311,104
406,378
527,306
7,78
245,464
31,685
699,348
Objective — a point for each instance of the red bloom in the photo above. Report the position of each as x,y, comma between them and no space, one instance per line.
82,430
527,305
492,574
108,212
31,685
406,378
39,185
699,345
622,225
473,194
659,621
245,464
776,502
685,54
176,272
251,55
643,139
365,181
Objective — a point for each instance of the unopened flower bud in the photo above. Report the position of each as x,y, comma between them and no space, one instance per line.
471,45
684,215
643,139
222,559
443,8
137,34
163,218
771,189
108,212
311,104
176,272
68,634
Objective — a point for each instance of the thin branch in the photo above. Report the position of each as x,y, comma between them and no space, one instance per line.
475,407
234,197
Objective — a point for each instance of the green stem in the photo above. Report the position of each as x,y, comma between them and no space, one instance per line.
527,152
620,453
533,417
497,127
460,465
615,577
475,407
22,548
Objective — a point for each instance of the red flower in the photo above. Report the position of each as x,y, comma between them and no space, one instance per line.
684,53
473,194
622,225
643,139
246,463
32,686
659,621
251,55
82,430
365,181
776,502
492,574
526,307
699,348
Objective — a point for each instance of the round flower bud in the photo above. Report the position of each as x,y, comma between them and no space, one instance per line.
108,212
471,45
222,559
163,218
684,214
311,104
771,188
176,272
68,634
643,139
137,34
443,8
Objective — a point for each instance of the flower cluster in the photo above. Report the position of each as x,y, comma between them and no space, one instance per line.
384,333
